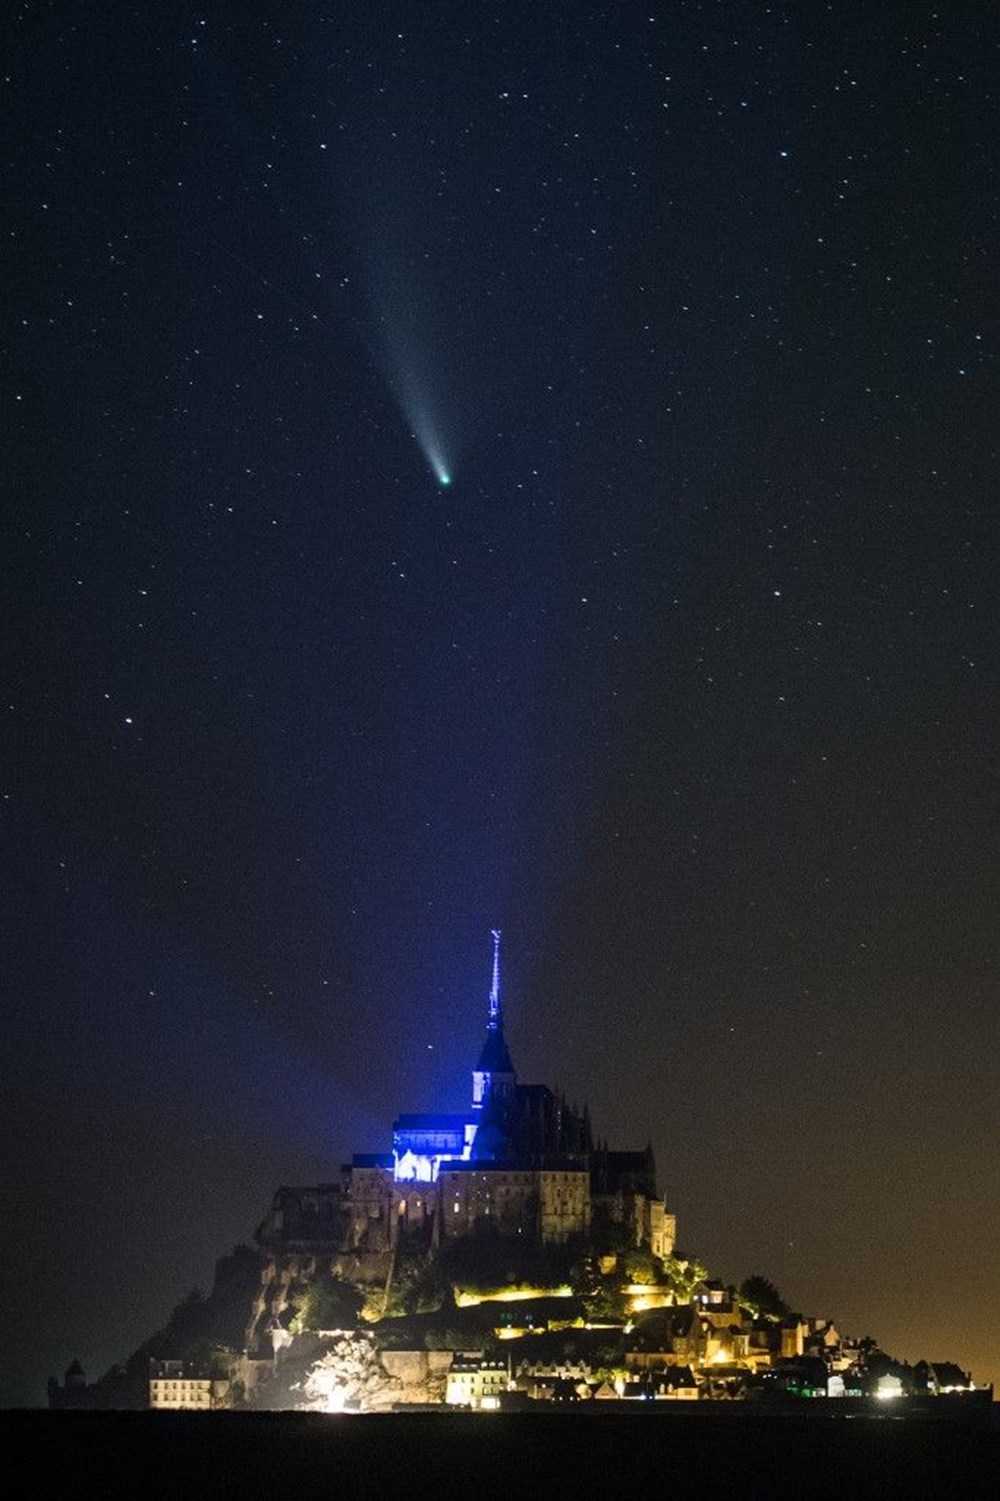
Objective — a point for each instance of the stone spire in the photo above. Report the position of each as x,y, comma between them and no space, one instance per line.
495,1023
494,1073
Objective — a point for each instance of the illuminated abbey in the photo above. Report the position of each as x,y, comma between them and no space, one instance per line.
520,1162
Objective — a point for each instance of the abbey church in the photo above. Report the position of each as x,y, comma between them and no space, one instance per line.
519,1162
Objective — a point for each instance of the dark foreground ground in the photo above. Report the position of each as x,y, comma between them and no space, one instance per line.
614,1454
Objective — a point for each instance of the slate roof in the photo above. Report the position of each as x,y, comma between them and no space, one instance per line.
494,1058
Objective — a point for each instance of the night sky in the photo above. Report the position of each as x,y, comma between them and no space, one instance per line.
686,680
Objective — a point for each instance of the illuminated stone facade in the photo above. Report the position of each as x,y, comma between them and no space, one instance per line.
475,1381
550,1203
180,1386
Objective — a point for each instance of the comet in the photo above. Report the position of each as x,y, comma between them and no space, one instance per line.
431,447
408,358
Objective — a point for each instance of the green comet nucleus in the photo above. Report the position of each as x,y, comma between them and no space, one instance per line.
444,478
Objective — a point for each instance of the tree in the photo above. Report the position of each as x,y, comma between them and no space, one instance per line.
418,1286
640,1265
606,1301
762,1299
326,1304
682,1274
585,1276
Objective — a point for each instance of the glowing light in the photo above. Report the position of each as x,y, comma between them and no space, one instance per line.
645,1301
433,456
511,1295
423,1167
495,1022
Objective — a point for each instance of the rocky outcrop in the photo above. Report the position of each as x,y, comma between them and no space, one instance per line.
422,1374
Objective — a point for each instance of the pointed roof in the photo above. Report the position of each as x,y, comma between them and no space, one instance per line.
494,1057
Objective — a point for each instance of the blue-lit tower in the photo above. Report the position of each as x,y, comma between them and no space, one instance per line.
494,1076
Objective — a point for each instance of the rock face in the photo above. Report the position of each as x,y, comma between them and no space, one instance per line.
349,1374
283,1277
422,1374
338,1370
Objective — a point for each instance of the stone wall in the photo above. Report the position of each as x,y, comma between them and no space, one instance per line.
422,1374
